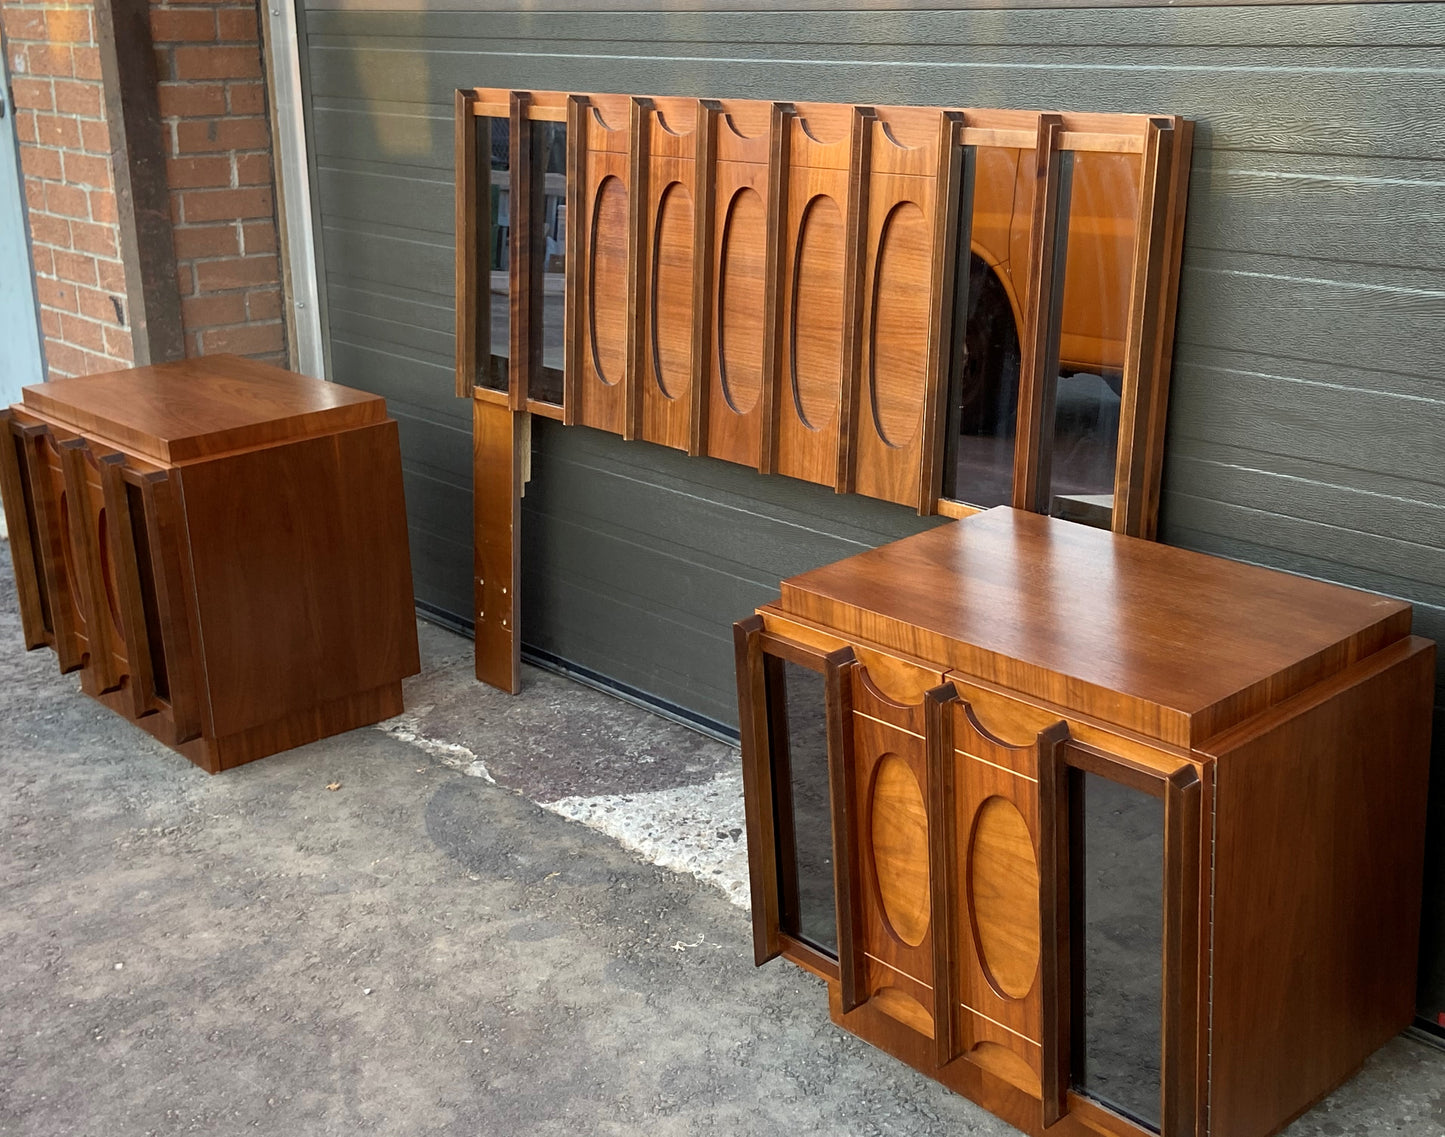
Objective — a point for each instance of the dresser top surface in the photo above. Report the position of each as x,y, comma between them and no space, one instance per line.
195,408
1175,644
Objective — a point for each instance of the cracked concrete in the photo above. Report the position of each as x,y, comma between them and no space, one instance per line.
421,951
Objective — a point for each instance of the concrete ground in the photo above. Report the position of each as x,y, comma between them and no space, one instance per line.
427,949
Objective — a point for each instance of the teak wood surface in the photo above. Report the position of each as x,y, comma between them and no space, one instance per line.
219,547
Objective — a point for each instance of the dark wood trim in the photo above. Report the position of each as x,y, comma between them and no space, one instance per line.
100,670
473,335
1055,923
1183,794
779,129
809,958
838,673
635,374
19,512
142,188
854,250
130,605
757,786
69,637
525,299
574,335
944,892
1036,385
178,642
703,282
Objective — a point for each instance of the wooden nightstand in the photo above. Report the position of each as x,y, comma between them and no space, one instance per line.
1109,836
218,546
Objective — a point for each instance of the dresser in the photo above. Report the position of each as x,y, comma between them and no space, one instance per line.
218,547
1109,836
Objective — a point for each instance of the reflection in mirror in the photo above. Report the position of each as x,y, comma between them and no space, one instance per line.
549,251
494,140
1103,210
797,718
983,399
1116,868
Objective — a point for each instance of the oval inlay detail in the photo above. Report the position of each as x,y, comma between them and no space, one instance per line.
898,825
815,337
672,291
741,288
1003,897
898,337
607,281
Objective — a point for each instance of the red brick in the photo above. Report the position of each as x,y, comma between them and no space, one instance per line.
247,98
203,173
165,63
49,59
238,25
206,241
77,96
239,272
64,360
218,63
55,294
87,170
68,25
264,305
57,130
110,275
94,137
185,280
25,127
38,163
43,260
87,237
82,332
34,194
225,204
33,94
87,63
118,343
244,340
259,237
209,311
23,23
67,201
253,169
223,134
171,24
48,230
192,100
75,268
102,206
99,305
50,322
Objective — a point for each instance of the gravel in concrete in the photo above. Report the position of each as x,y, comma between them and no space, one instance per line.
425,949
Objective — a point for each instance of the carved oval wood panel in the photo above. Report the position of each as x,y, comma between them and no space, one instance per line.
898,826
1003,897
672,291
742,293
607,281
816,335
898,355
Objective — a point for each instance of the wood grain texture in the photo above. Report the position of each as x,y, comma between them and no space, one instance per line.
1256,636
195,408
20,524
52,530
498,439
758,803
1319,853
84,511
471,268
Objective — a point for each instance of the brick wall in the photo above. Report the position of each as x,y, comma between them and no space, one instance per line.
213,102
65,156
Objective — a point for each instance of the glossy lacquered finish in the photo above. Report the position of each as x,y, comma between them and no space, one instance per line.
219,547
1256,748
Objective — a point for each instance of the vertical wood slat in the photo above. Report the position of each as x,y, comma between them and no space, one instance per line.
572,285
101,668
847,838
20,523
947,221
943,886
70,633
469,287
178,639
1035,383
703,289
855,237
1163,345
758,803
784,119
497,452
130,605
524,348
640,110
1056,972
956,344
1183,797
1146,311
